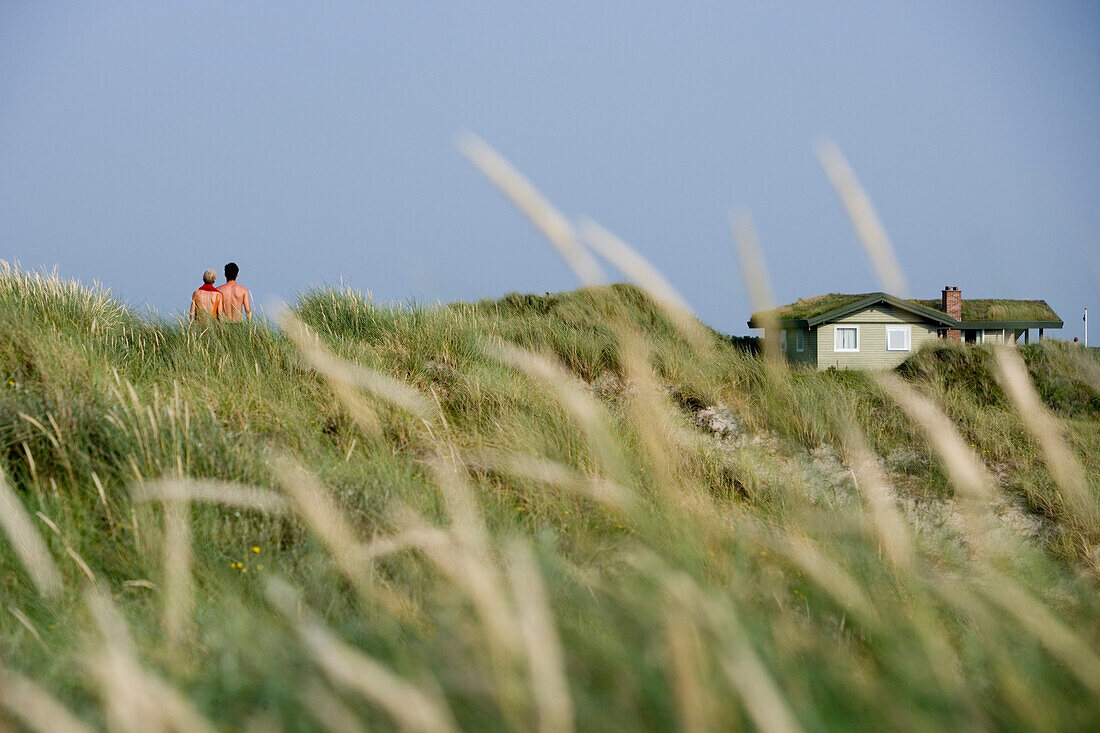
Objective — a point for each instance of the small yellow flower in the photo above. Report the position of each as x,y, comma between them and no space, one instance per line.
259,567
244,570
255,549
11,382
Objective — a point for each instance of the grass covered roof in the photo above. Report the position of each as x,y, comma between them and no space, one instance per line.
998,309
805,308
974,309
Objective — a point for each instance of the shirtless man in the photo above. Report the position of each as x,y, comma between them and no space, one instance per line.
206,302
235,298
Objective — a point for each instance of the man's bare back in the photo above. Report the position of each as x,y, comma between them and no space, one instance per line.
235,298
206,302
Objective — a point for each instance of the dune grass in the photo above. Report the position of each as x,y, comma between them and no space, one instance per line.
542,512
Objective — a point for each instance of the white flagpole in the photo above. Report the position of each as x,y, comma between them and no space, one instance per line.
1086,328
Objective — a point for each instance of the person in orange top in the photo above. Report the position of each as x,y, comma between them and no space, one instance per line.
206,302
235,298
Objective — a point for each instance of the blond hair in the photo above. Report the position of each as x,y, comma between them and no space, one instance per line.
209,277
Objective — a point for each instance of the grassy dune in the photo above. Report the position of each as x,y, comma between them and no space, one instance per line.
534,513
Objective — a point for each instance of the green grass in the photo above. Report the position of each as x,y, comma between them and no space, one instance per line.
739,582
999,309
805,308
973,309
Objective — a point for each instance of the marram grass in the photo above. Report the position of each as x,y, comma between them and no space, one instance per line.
538,513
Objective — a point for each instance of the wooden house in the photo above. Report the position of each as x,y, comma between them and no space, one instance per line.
879,331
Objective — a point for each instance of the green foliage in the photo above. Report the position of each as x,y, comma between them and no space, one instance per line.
973,309
1059,371
999,309
736,552
805,308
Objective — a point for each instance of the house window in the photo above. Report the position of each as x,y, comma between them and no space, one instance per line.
799,344
899,338
846,338
783,340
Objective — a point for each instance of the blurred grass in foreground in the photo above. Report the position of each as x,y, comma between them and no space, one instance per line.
542,512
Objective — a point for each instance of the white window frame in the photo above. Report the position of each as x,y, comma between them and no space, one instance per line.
904,328
836,336
783,340
799,341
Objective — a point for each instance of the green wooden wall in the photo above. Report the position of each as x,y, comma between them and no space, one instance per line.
872,352
818,343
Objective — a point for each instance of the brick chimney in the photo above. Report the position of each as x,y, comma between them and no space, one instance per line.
952,305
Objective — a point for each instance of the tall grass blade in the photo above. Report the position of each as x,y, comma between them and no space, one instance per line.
135,699
870,479
177,571
872,234
966,472
572,395
1074,651
27,543
207,491
552,473
754,272
332,713
411,707
545,658
530,202
25,701
330,525
1041,423
686,657
343,376
649,278
761,696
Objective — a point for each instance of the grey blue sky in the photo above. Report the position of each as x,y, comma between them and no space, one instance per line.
313,142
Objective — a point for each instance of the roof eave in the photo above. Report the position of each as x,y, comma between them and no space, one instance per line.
965,325
932,314
856,307
757,322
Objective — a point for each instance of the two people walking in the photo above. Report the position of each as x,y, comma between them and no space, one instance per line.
224,303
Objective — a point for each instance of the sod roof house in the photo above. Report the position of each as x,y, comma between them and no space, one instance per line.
879,331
